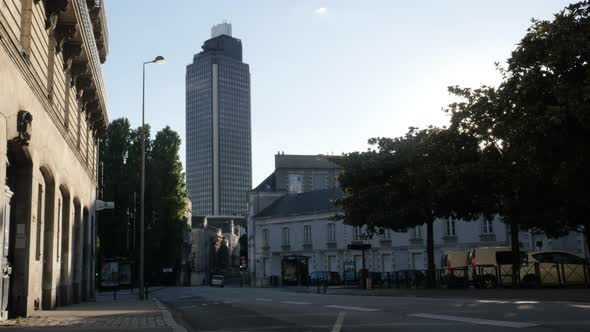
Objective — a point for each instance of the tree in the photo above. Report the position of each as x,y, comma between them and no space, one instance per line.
243,245
168,201
165,201
548,81
533,129
114,151
407,182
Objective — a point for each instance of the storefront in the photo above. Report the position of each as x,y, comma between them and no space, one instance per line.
294,270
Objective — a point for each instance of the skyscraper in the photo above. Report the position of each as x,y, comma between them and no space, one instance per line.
218,142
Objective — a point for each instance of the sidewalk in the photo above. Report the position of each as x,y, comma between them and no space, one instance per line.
545,294
126,313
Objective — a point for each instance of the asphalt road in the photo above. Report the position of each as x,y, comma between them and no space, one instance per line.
255,309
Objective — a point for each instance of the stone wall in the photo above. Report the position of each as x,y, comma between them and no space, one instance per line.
49,159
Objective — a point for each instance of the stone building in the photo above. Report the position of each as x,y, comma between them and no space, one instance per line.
53,109
291,224
301,228
215,246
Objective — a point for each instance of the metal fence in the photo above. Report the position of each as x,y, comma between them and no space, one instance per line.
489,276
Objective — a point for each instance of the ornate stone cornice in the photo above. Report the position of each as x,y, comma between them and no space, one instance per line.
86,90
53,8
78,69
71,50
88,98
64,32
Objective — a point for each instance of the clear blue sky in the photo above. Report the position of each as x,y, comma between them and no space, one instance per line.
326,74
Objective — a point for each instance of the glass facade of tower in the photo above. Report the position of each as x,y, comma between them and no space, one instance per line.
218,144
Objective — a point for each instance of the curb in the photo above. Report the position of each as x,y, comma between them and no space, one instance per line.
168,317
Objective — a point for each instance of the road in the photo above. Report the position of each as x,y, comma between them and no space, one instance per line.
271,309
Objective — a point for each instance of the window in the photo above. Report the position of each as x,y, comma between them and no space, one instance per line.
39,221
332,233
58,229
487,226
417,232
295,183
307,234
286,236
450,228
265,237
356,233
320,181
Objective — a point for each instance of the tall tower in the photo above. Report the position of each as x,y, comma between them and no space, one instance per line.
218,130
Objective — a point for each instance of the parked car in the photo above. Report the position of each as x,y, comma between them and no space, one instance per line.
217,280
537,268
332,277
555,268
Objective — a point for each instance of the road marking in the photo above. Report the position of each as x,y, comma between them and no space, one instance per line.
480,321
188,307
294,302
526,302
492,301
338,324
265,300
351,308
582,306
167,316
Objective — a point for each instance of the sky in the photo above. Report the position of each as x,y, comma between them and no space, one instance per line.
326,75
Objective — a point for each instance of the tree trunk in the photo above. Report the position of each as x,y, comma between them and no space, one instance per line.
430,254
515,254
587,236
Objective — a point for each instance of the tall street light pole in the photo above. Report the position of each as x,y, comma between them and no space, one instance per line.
158,60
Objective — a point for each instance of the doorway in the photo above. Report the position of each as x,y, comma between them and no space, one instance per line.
19,180
48,240
417,261
76,251
85,256
63,240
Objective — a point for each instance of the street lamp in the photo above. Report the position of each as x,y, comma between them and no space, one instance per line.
158,60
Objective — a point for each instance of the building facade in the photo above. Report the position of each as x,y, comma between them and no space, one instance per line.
293,174
215,246
301,226
53,111
291,220
218,143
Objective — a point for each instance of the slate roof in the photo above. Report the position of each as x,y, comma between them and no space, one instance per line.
303,161
311,202
269,184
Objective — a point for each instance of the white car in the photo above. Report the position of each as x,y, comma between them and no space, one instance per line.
216,280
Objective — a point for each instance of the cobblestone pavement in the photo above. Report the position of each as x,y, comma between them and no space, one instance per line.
127,313
110,322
